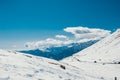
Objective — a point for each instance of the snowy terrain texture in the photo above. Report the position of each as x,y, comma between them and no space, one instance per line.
106,50
102,59
17,66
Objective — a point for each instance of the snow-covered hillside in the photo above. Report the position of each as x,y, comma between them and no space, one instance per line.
106,50
102,59
17,66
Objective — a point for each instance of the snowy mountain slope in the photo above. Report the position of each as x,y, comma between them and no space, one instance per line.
17,66
106,50
103,71
101,59
59,53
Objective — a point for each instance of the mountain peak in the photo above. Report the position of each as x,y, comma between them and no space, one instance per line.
117,33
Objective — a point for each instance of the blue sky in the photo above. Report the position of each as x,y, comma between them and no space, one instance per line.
27,20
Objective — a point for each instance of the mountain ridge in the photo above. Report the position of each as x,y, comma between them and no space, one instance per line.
62,52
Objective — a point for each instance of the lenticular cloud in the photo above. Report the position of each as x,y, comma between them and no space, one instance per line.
80,34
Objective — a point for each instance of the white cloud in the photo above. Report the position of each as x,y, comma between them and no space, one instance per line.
87,33
81,34
49,42
61,37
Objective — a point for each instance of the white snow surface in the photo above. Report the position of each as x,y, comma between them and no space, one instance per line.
18,66
102,59
106,50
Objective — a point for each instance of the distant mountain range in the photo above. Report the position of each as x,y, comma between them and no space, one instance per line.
59,53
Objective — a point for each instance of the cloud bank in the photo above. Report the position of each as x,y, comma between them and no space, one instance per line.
81,34
50,42
87,33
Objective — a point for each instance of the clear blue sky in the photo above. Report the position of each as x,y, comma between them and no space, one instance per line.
24,20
